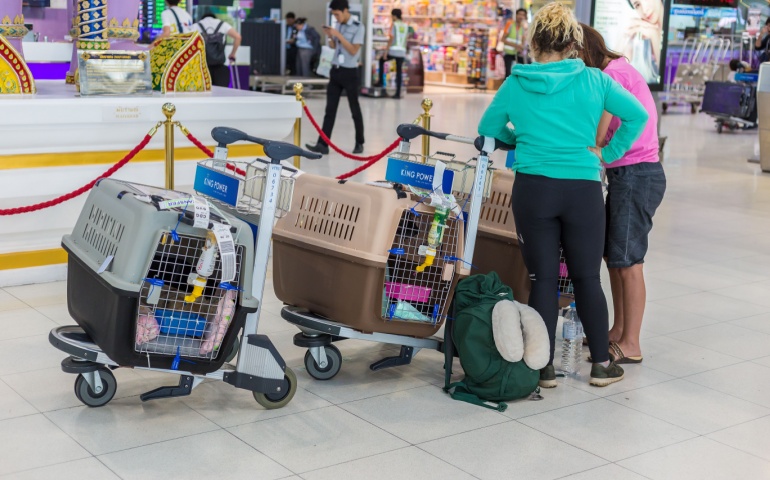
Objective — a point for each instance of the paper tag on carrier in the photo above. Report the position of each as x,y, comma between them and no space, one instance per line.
175,203
201,212
226,246
426,250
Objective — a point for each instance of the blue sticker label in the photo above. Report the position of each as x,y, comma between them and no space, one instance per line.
216,185
510,159
417,175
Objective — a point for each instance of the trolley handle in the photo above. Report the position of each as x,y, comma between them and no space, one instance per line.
410,131
481,145
274,150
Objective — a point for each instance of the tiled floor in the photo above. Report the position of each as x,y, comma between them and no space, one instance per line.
698,408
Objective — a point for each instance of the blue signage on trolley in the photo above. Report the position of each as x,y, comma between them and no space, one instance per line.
216,185
416,175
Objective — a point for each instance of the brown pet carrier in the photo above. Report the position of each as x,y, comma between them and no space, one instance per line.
350,252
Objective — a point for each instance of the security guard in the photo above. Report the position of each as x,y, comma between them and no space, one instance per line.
346,42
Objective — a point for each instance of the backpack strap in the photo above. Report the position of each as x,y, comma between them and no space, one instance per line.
178,23
221,22
460,392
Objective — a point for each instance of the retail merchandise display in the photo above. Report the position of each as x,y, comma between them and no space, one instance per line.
454,35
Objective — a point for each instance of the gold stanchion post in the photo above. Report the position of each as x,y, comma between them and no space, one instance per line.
298,87
427,104
169,110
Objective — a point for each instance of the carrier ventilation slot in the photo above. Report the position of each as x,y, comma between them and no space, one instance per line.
498,210
327,218
103,232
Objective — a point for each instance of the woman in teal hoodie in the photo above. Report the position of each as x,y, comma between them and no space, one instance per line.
554,106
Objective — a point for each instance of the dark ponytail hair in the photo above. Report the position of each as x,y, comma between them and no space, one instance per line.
595,52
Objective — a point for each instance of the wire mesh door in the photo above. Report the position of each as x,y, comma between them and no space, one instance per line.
420,296
170,321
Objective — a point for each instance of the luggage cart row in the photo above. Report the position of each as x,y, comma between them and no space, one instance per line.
171,282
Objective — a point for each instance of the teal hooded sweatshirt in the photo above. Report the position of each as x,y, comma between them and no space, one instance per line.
555,110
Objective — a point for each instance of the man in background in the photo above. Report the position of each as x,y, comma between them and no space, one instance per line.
346,43
291,44
175,20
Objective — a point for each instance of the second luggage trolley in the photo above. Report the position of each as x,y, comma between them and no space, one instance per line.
377,262
164,281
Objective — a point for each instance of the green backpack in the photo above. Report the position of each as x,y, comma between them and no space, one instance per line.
488,376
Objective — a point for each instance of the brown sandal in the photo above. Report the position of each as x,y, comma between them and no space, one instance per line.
617,355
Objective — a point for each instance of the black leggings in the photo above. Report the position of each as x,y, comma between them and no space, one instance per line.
551,212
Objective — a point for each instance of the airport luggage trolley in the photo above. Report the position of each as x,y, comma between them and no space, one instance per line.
164,281
378,262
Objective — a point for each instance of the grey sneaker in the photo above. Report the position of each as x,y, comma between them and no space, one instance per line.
602,376
547,377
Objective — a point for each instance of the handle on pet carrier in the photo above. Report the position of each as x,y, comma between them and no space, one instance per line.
410,131
274,150
480,144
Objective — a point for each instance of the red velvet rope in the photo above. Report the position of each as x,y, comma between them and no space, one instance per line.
81,190
343,153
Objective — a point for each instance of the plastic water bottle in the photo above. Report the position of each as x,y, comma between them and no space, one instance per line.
572,346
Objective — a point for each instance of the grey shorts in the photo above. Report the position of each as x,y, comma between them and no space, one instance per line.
634,193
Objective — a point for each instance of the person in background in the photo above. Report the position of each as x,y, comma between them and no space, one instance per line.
346,43
209,23
636,185
308,45
291,47
396,50
642,40
737,66
762,44
175,20
514,41
554,106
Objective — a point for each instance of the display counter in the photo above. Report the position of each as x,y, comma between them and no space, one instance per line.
55,142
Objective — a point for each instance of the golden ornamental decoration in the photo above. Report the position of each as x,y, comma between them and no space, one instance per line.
15,76
178,64
13,29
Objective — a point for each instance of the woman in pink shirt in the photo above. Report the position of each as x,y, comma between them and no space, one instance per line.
636,185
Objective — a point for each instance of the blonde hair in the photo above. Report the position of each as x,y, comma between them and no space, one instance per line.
555,30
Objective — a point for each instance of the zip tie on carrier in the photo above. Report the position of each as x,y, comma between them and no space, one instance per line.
451,258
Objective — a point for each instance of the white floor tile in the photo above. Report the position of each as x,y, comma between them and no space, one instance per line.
758,323
41,294
128,423
34,442
76,470
51,389
9,302
24,322
718,307
607,472
658,289
681,359
748,381
356,381
607,429
636,376
763,361
697,277
664,320
12,405
422,414
698,459
553,399
27,354
58,313
749,292
690,406
208,455
728,339
320,438
410,462
751,437
518,452
228,406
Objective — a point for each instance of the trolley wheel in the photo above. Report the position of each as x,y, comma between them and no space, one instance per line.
85,394
693,108
333,364
273,401
720,127
665,107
